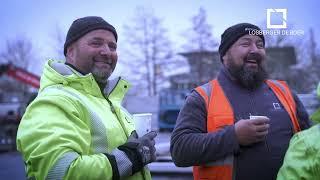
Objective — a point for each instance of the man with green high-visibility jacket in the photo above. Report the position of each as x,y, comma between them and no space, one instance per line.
76,127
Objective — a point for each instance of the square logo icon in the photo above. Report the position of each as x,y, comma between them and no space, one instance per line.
284,19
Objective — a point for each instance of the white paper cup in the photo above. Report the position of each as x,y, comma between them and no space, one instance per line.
142,122
257,117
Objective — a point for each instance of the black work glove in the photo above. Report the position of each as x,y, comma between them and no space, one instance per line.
141,151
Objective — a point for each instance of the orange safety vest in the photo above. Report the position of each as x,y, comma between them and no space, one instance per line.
220,114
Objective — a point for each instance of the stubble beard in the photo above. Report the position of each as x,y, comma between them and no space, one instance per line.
100,76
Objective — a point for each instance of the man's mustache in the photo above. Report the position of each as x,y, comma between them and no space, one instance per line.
254,56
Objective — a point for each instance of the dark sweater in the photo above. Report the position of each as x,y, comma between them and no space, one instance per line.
192,145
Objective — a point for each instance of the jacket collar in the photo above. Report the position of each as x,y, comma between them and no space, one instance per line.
59,73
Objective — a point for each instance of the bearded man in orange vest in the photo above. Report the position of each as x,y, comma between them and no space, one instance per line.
238,126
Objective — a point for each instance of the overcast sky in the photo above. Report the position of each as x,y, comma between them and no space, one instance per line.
37,19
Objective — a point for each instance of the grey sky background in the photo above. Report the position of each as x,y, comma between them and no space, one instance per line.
37,19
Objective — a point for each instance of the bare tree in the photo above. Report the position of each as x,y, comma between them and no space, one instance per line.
313,46
18,52
313,68
148,51
200,40
305,75
200,33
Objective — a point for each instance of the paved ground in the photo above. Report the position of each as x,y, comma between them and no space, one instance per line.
11,166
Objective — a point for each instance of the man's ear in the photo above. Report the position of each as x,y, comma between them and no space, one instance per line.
70,53
224,58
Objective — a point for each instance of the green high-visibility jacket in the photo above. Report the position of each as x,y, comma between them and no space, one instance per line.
72,129
316,115
302,159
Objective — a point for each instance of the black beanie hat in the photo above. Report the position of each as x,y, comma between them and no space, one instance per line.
82,26
233,33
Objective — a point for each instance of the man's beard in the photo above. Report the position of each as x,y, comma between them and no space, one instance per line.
100,76
249,77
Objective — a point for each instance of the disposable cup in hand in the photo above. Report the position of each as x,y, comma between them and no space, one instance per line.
142,122
257,117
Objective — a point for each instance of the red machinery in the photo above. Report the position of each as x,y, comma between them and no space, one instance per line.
11,112
20,75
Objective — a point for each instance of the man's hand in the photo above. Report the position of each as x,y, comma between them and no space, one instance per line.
141,151
250,131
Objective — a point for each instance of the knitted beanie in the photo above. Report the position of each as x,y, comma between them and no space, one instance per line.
84,25
233,33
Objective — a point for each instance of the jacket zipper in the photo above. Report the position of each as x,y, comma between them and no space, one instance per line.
113,110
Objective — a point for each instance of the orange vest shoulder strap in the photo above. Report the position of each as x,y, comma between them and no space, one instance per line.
219,110
219,114
283,93
205,92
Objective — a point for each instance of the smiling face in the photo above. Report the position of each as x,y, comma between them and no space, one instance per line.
245,60
94,53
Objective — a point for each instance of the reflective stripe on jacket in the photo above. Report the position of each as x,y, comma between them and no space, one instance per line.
220,114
